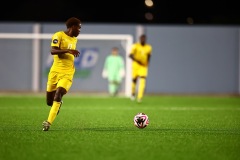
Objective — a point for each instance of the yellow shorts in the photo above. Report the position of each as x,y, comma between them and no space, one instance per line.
138,70
56,80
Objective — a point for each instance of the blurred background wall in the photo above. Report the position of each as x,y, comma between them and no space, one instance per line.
190,59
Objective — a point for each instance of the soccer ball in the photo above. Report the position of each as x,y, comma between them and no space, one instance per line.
141,120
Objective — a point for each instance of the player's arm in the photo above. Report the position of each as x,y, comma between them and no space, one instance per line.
105,68
134,59
131,55
57,51
149,55
122,68
148,59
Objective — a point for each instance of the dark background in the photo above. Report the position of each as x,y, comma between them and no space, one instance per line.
220,12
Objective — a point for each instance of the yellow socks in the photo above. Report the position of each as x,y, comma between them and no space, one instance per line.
142,84
53,112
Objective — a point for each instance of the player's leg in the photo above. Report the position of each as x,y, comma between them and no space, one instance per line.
62,88
117,81
142,83
56,104
111,85
116,87
133,89
51,88
141,89
55,108
134,82
50,97
50,93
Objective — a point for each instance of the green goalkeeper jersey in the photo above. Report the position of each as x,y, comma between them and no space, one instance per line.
114,65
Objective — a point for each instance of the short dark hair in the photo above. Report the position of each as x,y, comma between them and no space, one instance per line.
143,35
115,48
72,22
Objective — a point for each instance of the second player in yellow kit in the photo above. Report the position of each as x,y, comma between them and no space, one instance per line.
60,77
140,55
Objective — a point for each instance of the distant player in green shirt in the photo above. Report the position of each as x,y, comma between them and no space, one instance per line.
114,71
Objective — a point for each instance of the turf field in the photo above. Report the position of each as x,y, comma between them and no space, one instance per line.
101,128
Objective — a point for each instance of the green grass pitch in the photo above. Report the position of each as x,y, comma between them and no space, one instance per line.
101,128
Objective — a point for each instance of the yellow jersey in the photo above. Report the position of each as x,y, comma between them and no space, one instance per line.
141,52
63,63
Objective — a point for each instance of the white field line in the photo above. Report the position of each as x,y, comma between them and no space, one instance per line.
158,108
130,108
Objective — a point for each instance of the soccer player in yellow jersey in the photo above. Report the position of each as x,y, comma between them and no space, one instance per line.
60,77
140,55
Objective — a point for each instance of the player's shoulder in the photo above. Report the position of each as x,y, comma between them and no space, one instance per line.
109,57
149,45
136,45
58,34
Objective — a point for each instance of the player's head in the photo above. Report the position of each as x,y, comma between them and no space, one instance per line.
114,50
73,25
143,39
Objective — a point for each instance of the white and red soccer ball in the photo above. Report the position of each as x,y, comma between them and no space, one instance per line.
141,120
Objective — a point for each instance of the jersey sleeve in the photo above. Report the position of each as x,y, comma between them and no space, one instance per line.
56,40
105,66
